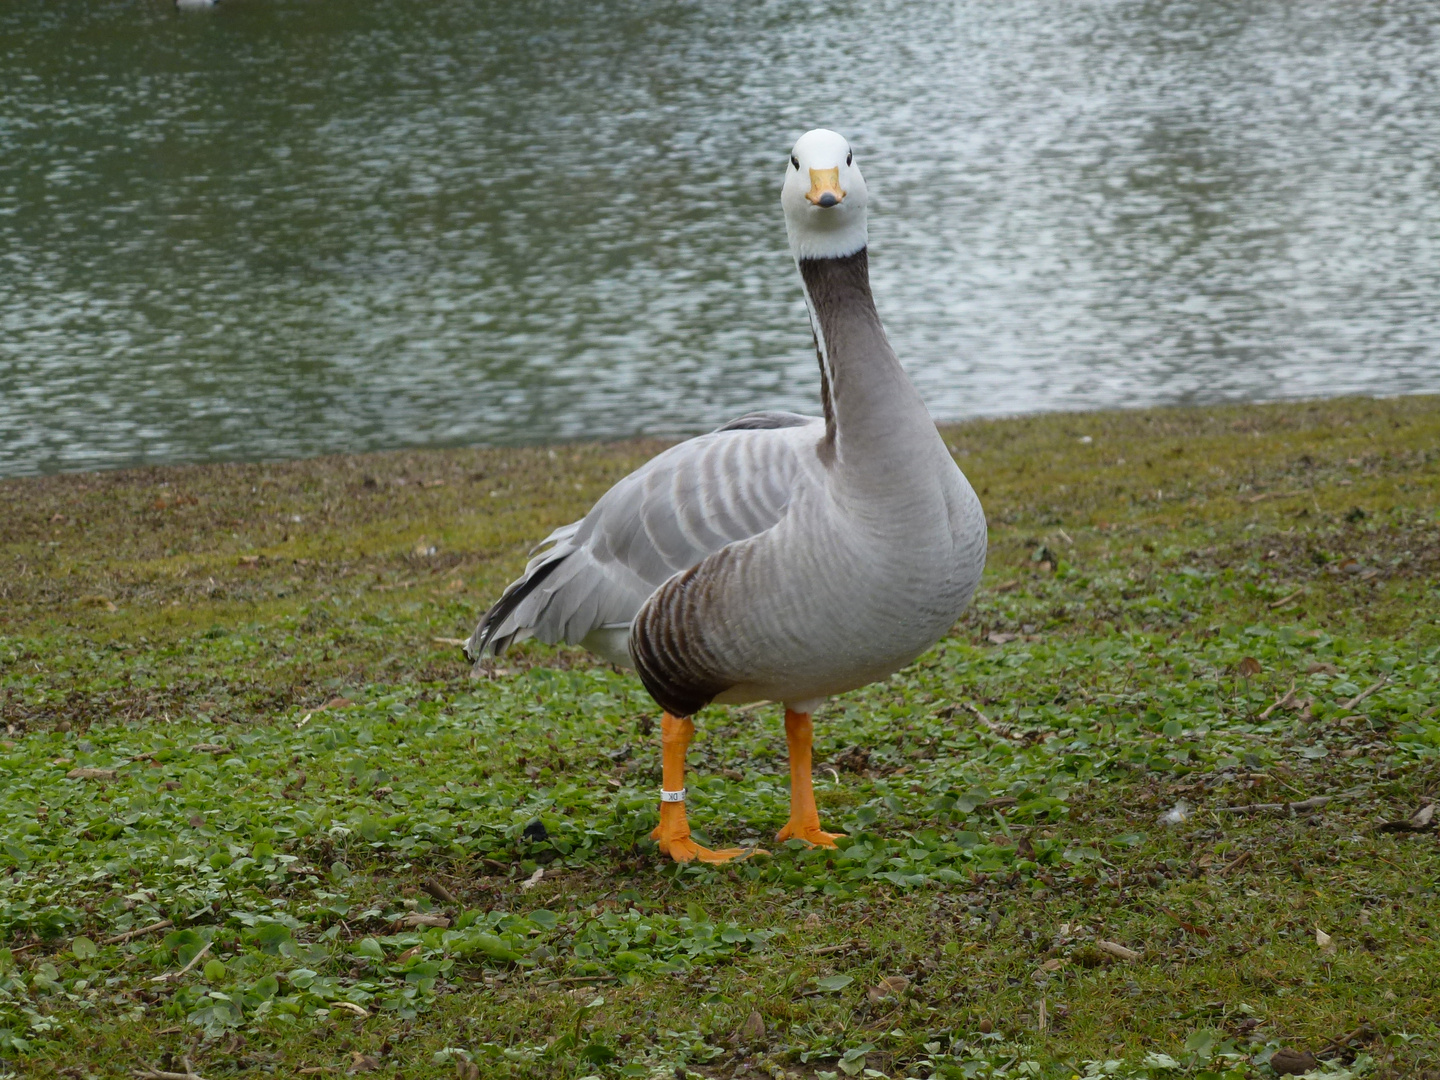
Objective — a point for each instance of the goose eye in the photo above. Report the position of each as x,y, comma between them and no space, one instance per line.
795,162
849,156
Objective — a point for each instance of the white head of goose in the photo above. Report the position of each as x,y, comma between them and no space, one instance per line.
781,557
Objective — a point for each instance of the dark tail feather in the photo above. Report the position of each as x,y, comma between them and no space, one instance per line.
484,640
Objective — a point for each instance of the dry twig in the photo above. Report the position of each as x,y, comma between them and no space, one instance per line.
439,892
168,977
1365,693
1235,863
1281,702
147,1073
1003,730
1272,495
1118,951
1294,807
1345,1040
163,924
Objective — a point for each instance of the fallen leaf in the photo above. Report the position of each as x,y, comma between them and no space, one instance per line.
1323,940
1421,820
533,880
888,987
1287,1062
417,919
1188,927
350,1006
996,638
337,703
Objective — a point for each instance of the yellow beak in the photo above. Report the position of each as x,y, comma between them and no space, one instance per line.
825,189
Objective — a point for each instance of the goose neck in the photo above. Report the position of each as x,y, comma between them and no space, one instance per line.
870,403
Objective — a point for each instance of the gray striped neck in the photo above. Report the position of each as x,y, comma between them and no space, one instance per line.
837,291
869,401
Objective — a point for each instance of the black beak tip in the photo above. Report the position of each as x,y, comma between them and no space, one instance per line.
828,200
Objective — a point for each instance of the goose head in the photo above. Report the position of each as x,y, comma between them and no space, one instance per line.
823,197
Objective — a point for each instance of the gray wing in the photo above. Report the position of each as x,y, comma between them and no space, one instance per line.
665,517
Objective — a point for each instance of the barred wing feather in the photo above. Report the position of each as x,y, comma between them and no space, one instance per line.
670,514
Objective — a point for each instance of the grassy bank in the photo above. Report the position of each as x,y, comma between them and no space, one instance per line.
255,816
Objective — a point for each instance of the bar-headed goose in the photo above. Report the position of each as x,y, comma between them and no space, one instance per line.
781,557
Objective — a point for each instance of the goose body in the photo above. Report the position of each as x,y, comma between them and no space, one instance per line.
780,557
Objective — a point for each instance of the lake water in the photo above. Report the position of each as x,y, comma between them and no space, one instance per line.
289,227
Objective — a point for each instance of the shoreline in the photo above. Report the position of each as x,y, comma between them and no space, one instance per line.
199,533
951,424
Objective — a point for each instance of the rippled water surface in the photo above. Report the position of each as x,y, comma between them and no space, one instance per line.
287,227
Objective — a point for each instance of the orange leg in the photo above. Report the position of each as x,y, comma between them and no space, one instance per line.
804,823
673,832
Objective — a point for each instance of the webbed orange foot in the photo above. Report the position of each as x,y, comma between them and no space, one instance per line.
673,832
804,823
673,836
686,850
811,834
